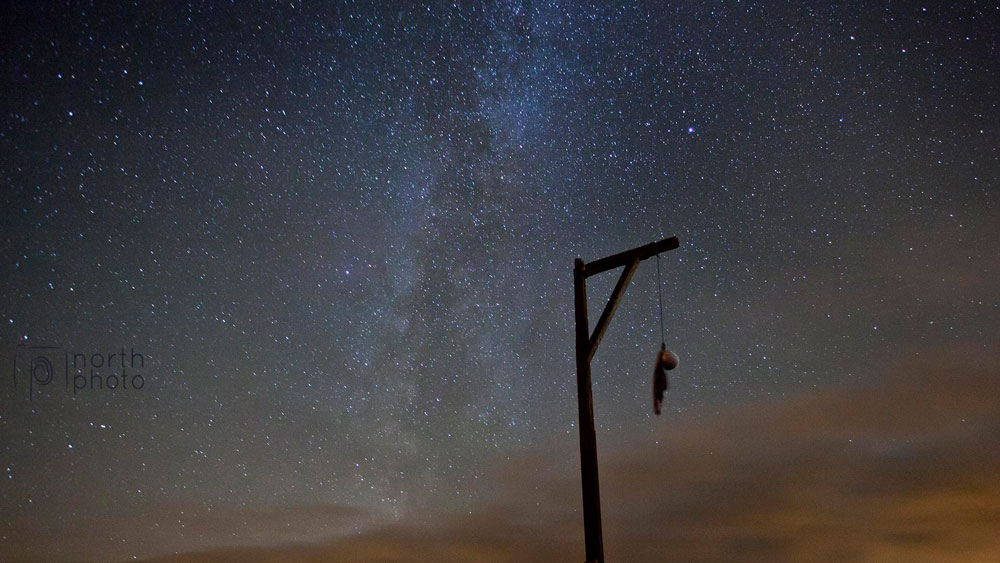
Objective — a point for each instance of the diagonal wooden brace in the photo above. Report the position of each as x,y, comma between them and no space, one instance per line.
609,309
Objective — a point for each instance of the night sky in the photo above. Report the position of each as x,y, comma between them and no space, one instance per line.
335,244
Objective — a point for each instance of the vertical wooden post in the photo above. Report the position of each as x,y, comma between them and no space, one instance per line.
588,438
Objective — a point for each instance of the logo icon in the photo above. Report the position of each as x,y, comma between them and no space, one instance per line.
37,366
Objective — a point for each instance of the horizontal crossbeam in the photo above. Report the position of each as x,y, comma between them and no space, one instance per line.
626,258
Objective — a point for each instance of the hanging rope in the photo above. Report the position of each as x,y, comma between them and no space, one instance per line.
659,294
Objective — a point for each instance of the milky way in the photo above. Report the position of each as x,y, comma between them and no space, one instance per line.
341,238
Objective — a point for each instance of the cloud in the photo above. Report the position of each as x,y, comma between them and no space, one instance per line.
904,470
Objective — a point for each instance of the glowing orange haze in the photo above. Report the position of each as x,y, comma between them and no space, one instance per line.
903,471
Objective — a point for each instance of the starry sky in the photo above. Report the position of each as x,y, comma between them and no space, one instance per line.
335,242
